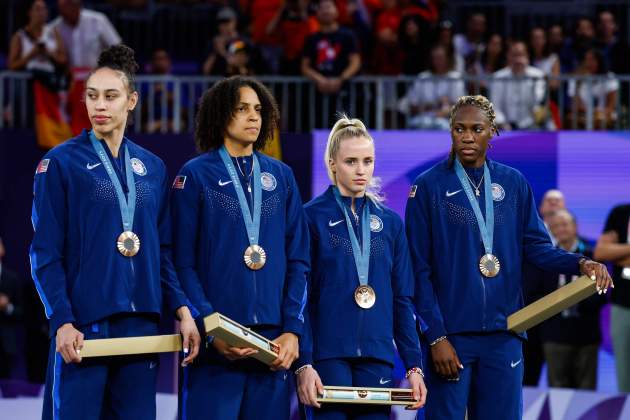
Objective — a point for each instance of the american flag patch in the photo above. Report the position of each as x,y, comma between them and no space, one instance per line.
412,193
43,166
180,181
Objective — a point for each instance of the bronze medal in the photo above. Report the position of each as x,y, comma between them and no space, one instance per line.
255,257
365,296
128,243
489,265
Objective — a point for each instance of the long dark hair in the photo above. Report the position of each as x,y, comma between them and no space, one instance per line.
216,110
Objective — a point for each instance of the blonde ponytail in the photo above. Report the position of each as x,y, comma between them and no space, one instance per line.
346,128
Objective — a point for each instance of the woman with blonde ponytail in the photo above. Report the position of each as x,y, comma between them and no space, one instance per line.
360,287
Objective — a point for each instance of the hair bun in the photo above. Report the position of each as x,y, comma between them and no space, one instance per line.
119,57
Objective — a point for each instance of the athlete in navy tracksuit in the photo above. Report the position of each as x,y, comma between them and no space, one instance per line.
210,239
89,289
476,363
347,344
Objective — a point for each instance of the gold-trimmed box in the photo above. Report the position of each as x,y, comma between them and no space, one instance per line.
360,395
552,304
131,345
237,335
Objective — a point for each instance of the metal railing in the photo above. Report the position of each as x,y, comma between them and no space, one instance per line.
168,103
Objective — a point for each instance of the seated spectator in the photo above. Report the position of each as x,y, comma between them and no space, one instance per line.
614,49
291,25
583,40
599,95
37,47
330,55
428,103
445,38
230,52
518,91
491,60
413,37
570,339
471,44
159,104
541,55
387,55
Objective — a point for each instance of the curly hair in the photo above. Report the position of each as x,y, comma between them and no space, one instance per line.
478,101
216,110
120,58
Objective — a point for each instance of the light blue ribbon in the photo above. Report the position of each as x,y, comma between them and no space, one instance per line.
252,224
486,228
127,204
361,254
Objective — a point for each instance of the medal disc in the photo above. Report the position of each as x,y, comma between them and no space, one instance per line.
489,265
128,243
255,257
365,296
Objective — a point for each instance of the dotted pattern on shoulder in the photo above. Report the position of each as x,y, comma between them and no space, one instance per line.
226,203
269,207
377,245
143,193
103,190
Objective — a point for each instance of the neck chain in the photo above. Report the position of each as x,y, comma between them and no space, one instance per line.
249,184
476,187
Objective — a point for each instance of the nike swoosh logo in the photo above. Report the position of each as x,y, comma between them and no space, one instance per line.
383,381
331,223
223,184
450,194
90,167
514,364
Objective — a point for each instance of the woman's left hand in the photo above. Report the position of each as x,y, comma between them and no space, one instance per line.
419,391
190,335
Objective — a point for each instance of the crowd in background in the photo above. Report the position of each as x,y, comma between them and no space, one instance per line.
332,41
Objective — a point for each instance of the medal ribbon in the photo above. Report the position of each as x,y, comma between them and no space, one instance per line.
486,228
361,254
127,204
252,224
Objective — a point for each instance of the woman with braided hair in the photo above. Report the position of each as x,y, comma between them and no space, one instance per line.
470,223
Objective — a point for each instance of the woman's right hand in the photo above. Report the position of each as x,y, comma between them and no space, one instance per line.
309,386
232,353
69,342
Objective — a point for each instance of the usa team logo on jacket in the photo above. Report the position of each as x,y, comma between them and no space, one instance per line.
498,193
268,181
138,167
376,224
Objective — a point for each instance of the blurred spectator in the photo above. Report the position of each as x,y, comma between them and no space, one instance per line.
541,55
445,38
37,47
292,25
471,44
552,201
518,91
583,40
600,95
428,103
160,96
492,59
555,39
330,55
615,51
230,52
570,339
10,314
414,35
387,55
85,33
613,246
